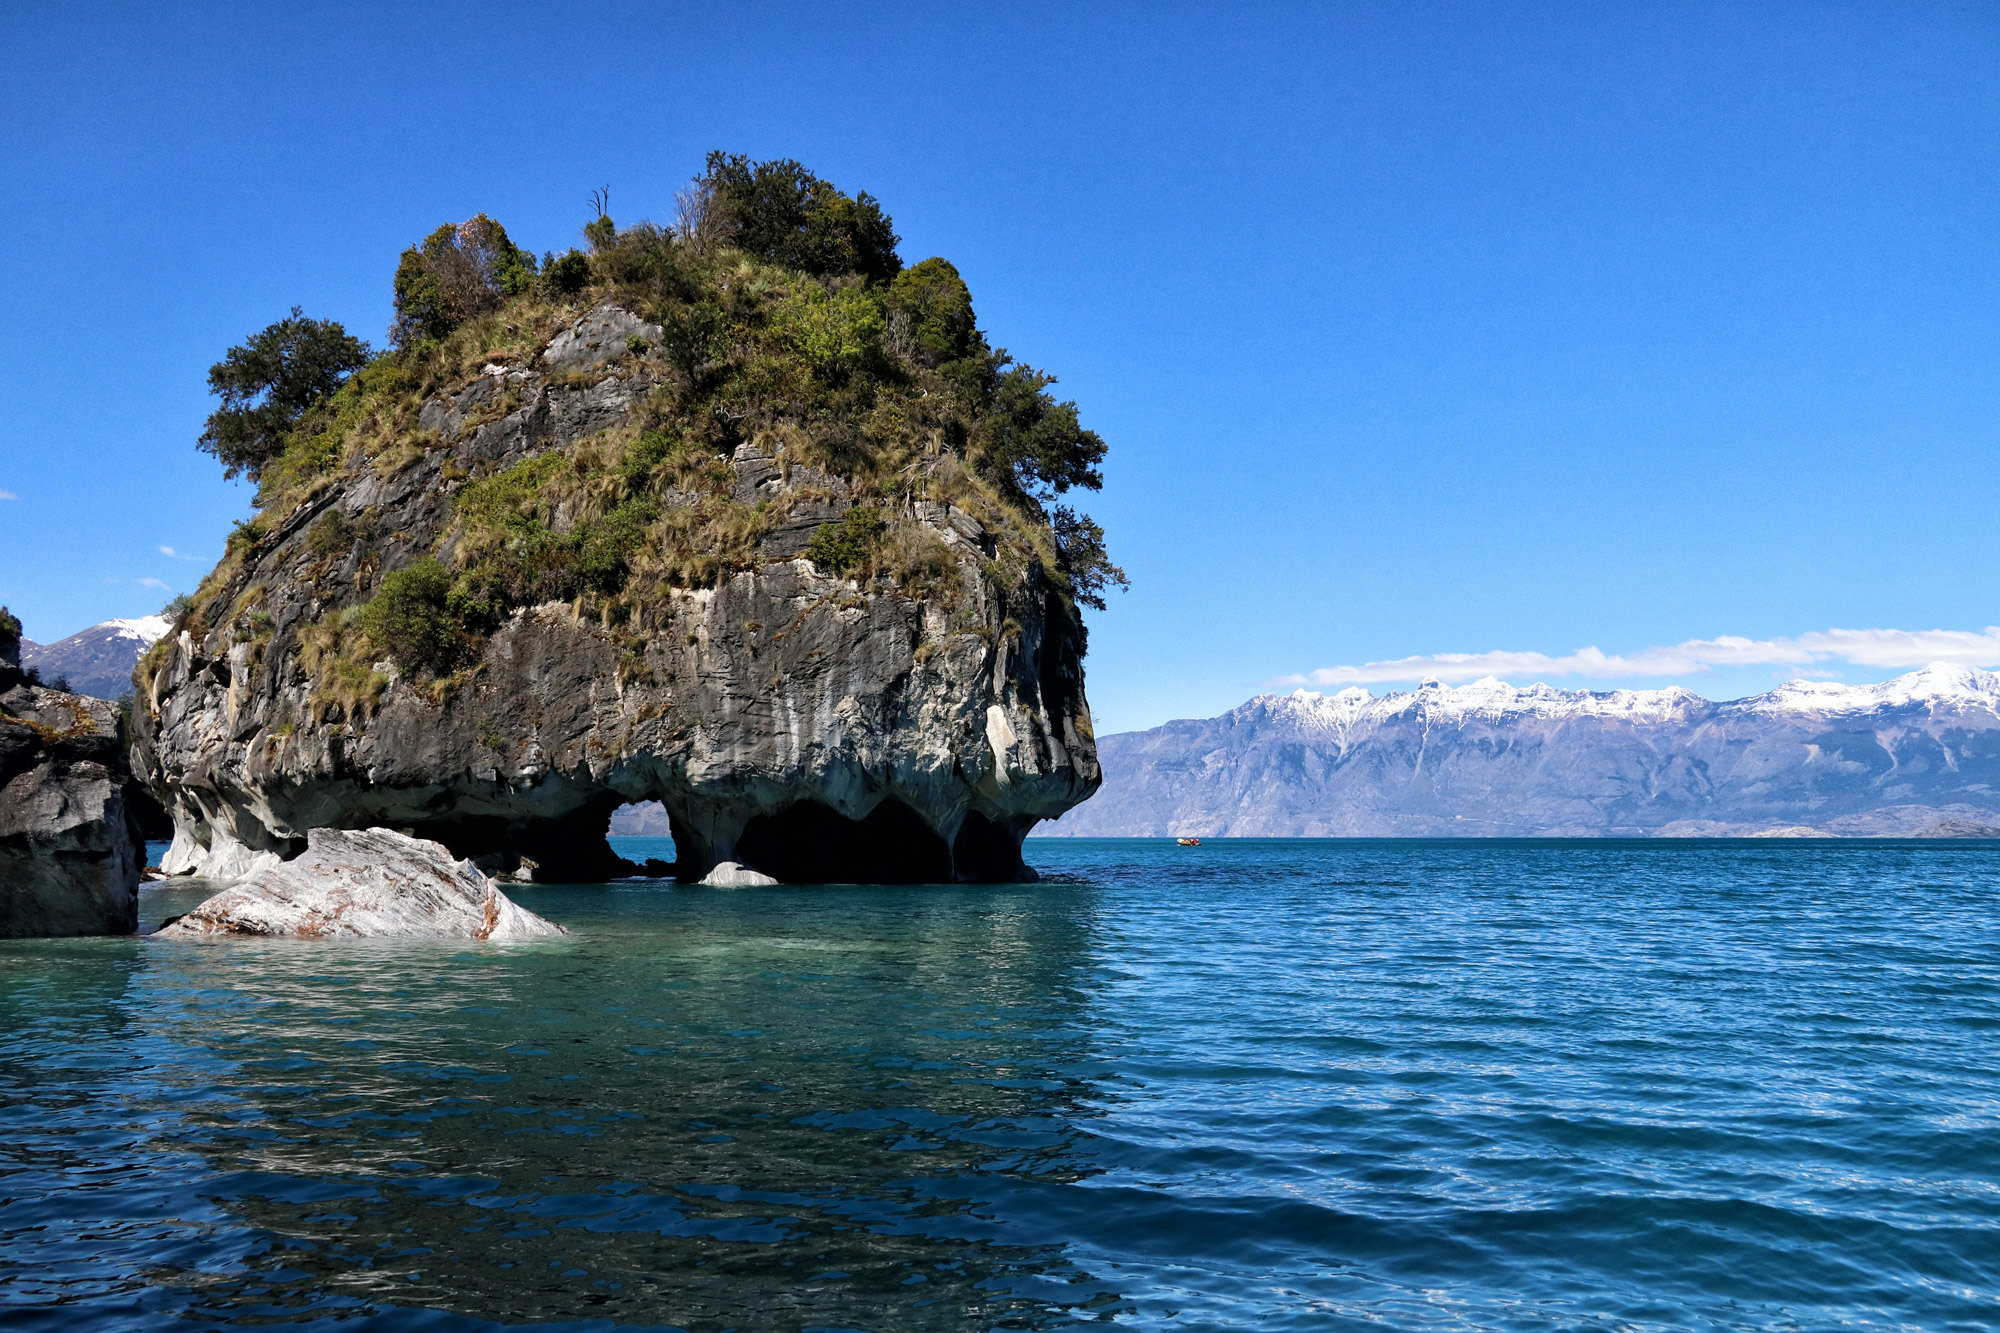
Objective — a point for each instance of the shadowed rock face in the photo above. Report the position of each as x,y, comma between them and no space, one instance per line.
797,723
70,850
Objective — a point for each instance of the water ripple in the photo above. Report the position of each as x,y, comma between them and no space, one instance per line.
1455,1086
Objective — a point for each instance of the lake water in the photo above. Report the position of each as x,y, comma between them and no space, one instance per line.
1272,1085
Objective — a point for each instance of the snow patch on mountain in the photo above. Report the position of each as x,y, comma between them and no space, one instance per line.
148,630
1493,700
1940,683
1486,700
1901,757
99,660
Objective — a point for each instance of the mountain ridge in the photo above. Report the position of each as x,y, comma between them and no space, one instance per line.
97,660
1490,758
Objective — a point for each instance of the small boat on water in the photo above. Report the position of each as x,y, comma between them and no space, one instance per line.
1188,842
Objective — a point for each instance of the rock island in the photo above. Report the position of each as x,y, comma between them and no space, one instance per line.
741,514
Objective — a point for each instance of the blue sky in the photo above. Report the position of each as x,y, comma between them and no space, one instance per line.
1415,329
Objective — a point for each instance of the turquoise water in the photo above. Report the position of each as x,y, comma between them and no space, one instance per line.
1313,1085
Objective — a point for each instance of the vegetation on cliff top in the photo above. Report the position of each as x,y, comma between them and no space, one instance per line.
787,319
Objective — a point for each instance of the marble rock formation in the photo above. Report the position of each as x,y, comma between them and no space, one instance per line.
804,725
367,883
71,853
730,875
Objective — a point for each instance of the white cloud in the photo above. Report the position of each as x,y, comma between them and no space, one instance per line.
1907,648
8,495
1862,647
171,553
154,583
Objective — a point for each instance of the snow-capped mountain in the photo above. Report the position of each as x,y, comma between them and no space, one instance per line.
99,660
1493,759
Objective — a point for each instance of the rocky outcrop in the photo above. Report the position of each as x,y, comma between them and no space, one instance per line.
370,883
808,726
71,853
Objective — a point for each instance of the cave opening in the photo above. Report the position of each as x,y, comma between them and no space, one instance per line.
811,843
572,848
985,853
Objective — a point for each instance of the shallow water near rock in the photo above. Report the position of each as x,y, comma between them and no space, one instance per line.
1310,1085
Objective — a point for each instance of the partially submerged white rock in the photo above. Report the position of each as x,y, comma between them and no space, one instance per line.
369,883
731,875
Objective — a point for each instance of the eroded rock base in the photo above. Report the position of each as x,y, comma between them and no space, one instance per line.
807,842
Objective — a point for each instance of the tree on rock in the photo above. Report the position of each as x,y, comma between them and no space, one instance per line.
781,213
269,383
461,271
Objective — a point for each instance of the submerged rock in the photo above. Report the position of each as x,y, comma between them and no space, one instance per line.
370,883
71,852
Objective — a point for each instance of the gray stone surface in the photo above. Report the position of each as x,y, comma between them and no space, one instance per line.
1487,759
600,337
744,708
70,852
367,883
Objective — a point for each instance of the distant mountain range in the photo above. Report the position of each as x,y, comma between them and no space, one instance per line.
1919,754
96,661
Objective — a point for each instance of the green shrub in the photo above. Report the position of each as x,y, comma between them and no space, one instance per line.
510,496
567,275
849,546
516,559
333,534
693,336
412,620
244,536
10,637
836,332
647,265
644,455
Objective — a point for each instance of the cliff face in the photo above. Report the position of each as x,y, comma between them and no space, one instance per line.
1488,759
70,850
813,725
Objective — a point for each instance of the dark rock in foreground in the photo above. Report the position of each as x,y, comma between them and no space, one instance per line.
70,852
369,883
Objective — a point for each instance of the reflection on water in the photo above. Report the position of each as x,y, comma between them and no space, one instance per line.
709,1110
1275,1086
